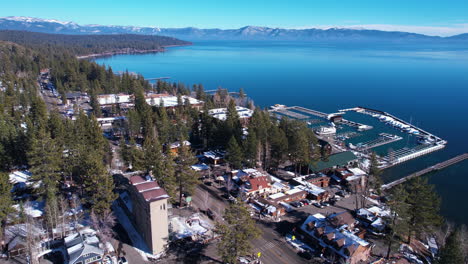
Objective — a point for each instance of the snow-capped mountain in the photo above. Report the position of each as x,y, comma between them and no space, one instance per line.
244,33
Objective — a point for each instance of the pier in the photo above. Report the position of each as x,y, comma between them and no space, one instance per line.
438,166
383,139
288,113
157,78
309,111
359,126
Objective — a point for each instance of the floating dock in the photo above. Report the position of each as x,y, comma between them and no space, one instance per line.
382,140
436,167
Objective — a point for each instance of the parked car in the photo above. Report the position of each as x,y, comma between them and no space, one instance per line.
295,204
318,205
305,201
325,204
122,260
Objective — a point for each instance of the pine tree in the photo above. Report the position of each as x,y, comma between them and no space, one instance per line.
423,207
375,172
397,222
451,252
5,199
45,160
233,125
236,232
167,178
234,154
251,148
185,178
153,158
98,184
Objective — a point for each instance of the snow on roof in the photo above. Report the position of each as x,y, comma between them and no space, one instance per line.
20,176
200,167
319,222
379,211
312,189
354,177
276,196
168,100
177,144
357,171
221,113
215,155
293,191
32,208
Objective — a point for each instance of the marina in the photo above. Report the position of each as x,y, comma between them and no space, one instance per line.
418,141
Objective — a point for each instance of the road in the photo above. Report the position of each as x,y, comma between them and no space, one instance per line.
272,245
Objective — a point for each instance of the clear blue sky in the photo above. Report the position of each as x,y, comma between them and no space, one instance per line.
238,13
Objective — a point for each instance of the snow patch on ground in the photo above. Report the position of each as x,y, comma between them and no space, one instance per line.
194,225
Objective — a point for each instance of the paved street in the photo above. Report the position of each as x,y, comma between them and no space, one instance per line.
271,244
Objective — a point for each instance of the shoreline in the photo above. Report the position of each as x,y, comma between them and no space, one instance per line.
128,51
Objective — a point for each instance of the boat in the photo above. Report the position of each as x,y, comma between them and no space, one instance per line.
326,130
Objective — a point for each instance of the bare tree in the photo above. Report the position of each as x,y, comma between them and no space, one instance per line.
33,238
103,225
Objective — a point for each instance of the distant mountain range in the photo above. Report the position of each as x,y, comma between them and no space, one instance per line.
244,33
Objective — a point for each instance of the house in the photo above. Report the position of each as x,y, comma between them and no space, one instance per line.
213,157
145,203
341,159
258,185
175,146
14,238
83,247
334,238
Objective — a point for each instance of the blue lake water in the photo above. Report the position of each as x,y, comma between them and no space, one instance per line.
423,83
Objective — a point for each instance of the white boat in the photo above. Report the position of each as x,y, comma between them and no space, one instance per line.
326,130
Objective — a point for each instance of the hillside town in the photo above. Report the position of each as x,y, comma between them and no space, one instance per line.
298,197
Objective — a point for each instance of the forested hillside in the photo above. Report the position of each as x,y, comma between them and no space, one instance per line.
88,44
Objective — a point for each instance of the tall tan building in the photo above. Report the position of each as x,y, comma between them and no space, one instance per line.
148,211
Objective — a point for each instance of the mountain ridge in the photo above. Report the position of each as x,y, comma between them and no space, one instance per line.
243,33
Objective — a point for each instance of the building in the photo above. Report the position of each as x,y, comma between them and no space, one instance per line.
221,113
292,195
341,159
171,101
319,179
175,146
146,206
335,238
110,99
83,247
258,185
76,98
213,157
